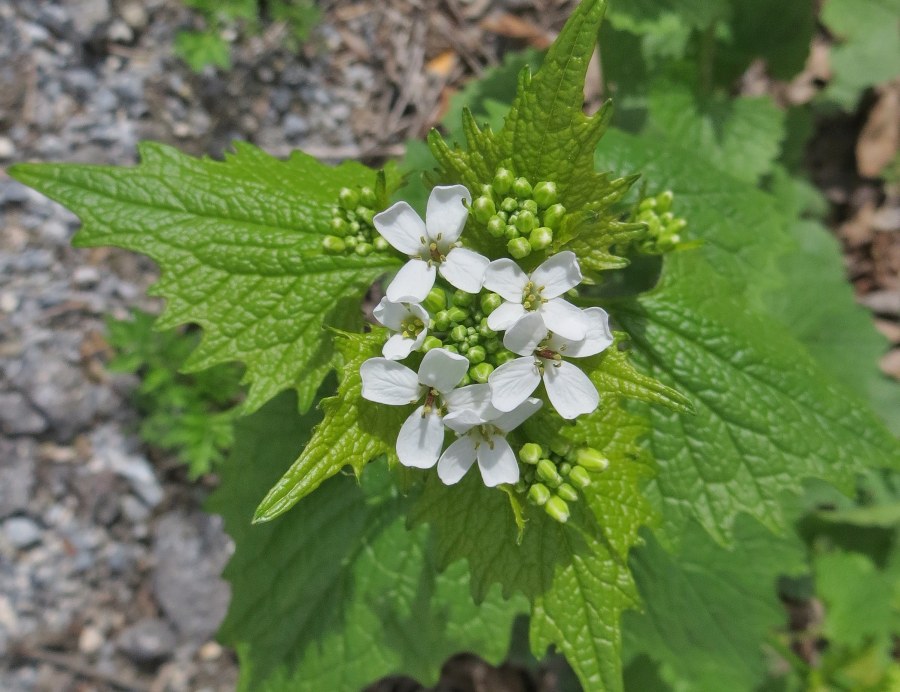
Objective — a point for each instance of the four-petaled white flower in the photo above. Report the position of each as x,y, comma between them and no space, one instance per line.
410,321
431,245
568,388
486,443
422,434
537,293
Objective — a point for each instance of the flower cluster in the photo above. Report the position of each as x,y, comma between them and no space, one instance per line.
352,230
483,335
664,228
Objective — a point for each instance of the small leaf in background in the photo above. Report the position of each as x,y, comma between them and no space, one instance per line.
201,48
239,244
339,592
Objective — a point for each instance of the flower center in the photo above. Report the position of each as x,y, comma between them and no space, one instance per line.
531,296
485,433
411,327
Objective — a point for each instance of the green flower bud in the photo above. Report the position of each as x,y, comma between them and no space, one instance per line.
511,232
480,372
331,243
463,347
483,209
457,315
462,299
348,198
351,241
476,354
492,345
485,332
466,380
458,333
504,216
565,468
477,317
546,471
367,197
442,321
519,248
557,508
470,329
591,459
664,201
545,194
531,453
647,204
496,226
504,356
503,180
490,302
529,205
486,190
339,227
525,222
354,227
579,477
553,216
380,244
431,342
363,249
451,348
540,238
435,301
509,205
567,492
365,214
473,339
522,188
539,494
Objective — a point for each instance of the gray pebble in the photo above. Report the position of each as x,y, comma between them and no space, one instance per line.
147,641
22,532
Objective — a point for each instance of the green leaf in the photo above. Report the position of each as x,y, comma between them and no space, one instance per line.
575,575
239,245
201,48
767,417
337,595
707,609
353,432
868,46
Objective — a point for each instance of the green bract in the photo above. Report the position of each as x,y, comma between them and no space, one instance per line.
729,382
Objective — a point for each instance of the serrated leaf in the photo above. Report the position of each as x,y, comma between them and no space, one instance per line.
707,610
340,594
353,432
766,418
239,246
575,575
868,46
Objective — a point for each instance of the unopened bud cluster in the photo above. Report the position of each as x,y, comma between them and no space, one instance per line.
525,215
552,478
459,325
352,230
663,226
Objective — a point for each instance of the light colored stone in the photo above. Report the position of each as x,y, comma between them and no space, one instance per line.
7,149
91,640
21,532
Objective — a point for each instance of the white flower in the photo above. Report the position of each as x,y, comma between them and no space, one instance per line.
411,321
431,245
538,292
422,434
487,443
569,389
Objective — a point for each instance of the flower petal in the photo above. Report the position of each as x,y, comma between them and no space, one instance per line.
563,318
525,335
445,215
402,227
421,438
505,316
521,413
497,462
391,315
512,382
442,370
464,269
398,347
469,406
389,382
598,338
569,389
505,277
458,459
557,274
412,283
